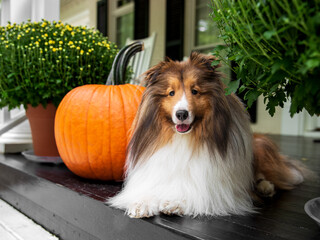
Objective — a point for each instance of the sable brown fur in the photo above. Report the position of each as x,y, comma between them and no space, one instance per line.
275,167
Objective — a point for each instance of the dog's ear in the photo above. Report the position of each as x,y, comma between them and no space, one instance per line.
151,75
208,60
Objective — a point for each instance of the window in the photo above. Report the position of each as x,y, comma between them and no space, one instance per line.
201,33
121,21
124,28
206,32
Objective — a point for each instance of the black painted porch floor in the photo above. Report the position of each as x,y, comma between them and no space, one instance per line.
72,208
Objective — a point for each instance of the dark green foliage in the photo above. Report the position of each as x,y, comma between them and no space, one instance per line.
276,48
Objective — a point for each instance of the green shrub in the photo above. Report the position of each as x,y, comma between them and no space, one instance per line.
276,48
40,62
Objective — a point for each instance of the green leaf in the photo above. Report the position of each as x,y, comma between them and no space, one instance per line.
232,87
269,34
271,109
11,75
274,87
276,66
312,63
215,63
220,48
251,96
241,89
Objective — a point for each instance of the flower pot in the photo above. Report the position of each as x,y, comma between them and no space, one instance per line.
42,129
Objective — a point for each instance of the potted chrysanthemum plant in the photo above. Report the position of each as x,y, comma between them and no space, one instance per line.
41,61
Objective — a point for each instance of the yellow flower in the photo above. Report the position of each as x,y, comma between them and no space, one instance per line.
70,43
81,69
72,33
83,33
78,48
81,52
36,43
60,42
7,46
54,49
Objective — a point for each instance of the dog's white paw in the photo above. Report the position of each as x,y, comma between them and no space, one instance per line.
265,188
172,207
142,210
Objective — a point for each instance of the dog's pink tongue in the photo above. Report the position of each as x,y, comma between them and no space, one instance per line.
182,127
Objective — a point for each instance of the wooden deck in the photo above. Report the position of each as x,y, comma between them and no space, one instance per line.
73,208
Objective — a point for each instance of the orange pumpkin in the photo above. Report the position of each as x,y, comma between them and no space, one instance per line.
92,129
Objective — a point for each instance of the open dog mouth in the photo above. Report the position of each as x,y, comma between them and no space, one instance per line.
183,128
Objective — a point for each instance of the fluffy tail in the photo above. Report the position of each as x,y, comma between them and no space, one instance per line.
273,169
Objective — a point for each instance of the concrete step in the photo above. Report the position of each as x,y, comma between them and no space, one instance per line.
16,226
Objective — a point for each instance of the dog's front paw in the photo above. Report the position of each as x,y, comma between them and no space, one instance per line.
172,207
142,210
265,188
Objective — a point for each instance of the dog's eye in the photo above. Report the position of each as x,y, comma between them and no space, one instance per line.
171,93
194,92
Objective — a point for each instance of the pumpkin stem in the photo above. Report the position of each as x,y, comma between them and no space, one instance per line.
120,63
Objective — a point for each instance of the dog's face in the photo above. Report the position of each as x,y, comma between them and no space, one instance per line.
185,102
185,91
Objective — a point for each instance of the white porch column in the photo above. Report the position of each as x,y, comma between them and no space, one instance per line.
45,9
17,11
291,126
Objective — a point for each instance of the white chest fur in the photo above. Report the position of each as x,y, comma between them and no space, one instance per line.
187,180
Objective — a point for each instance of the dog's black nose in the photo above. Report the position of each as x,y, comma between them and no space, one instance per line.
182,115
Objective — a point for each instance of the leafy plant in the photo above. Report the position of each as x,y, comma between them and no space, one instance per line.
41,61
276,48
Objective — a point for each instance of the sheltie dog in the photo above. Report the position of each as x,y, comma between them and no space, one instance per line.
192,151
